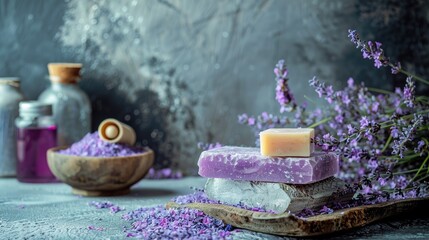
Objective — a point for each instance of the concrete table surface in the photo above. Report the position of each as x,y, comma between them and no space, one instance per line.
50,211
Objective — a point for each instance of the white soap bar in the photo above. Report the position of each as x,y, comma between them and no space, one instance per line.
287,142
276,197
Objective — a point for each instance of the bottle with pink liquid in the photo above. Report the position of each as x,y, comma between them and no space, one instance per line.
36,133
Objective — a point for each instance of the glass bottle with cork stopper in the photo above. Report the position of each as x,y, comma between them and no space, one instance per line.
36,134
71,106
9,104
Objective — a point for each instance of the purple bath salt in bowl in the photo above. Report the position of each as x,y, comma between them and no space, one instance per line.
93,146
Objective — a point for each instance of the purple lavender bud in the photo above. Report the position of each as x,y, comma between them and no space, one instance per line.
251,121
366,53
350,83
350,129
396,68
372,164
401,182
412,194
339,118
345,98
354,37
364,122
409,91
265,116
313,82
283,94
420,145
377,63
319,91
242,118
382,181
374,107
329,90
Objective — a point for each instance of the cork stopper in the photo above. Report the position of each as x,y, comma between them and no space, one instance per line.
64,72
113,131
11,81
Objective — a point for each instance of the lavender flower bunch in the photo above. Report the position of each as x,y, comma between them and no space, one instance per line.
381,136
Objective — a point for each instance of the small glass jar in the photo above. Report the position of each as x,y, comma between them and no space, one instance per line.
36,134
71,106
9,105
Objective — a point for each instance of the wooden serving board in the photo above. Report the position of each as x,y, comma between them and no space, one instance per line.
289,225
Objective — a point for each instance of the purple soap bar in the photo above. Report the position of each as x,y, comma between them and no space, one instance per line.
244,163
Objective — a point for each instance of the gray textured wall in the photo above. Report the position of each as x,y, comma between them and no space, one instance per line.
180,72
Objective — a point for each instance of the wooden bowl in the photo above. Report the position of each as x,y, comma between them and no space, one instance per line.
99,176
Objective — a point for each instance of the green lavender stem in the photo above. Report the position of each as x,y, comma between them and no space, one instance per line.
405,172
414,76
421,167
378,90
387,143
320,122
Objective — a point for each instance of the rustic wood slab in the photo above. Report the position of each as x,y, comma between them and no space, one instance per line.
289,225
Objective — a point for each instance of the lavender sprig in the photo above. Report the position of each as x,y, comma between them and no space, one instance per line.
372,50
283,95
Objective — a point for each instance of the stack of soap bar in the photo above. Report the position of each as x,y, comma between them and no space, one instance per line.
285,174
287,142
245,163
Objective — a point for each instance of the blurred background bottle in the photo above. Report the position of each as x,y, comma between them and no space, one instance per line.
36,134
9,104
71,106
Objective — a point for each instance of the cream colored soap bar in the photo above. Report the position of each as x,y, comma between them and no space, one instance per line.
287,142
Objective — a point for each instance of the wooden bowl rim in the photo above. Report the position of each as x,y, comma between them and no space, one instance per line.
54,150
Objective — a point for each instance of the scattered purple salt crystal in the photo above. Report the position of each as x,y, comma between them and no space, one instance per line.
115,209
91,227
182,223
106,204
326,210
93,146
196,197
100,205
306,212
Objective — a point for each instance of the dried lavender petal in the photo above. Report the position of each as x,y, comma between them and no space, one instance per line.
93,146
115,209
100,205
106,204
91,227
